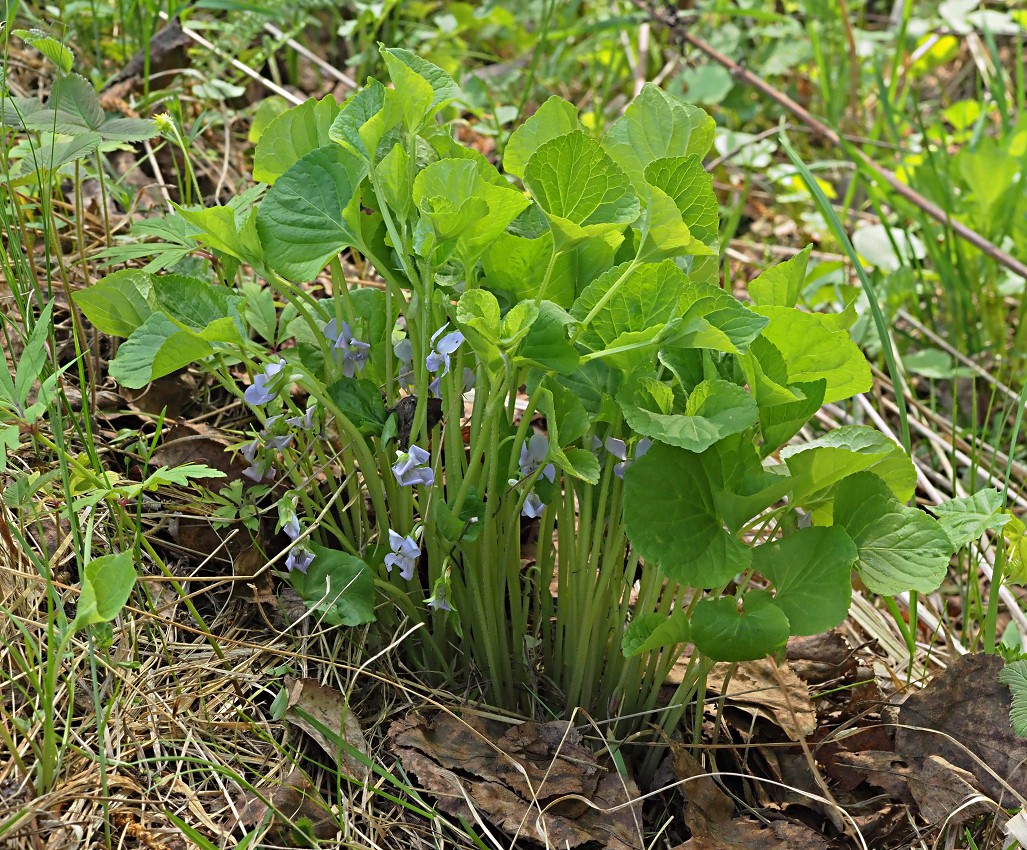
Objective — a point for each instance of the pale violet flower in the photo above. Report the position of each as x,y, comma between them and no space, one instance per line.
261,464
300,558
619,449
438,360
533,454
279,441
533,506
304,422
290,523
350,353
258,394
411,468
404,351
438,600
468,383
405,553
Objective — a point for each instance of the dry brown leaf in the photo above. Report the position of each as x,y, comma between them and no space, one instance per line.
293,800
707,804
884,770
941,788
966,708
748,834
525,779
821,658
768,690
312,706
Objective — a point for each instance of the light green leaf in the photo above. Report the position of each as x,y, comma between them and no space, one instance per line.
811,350
477,313
1014,675
781,420
73,108
516,265
338,587
127,130
647,632
106,586
967,518
291,136
579,463
565,415
742,488
198,306
52,153
399,61
724,632
820,464
393,175
648,297
812,575
219,228
118,303
462,204
671,520
413,93
715,409
580,188
899,548
681,211
555,117
76,103
779,286
34,356
547,344
311,213
657,125
365,118
711,318
156,348
58,53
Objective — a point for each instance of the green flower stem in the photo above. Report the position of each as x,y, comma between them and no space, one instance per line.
991,615
546,277
546,567
481,438
414,611
340,291
295,296
497,644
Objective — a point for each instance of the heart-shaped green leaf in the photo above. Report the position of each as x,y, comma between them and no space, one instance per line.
581,190
812,575
311,213
723,631
671,519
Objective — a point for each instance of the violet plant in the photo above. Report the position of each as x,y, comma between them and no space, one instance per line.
653,464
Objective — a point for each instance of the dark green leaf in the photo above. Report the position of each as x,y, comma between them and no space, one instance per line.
671,519
337,586
311,213
361,403
812,575
723,632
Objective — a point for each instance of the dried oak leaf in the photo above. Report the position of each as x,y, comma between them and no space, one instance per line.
748,834
941,789
528,779
766,689
963,716
314,707
293,801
